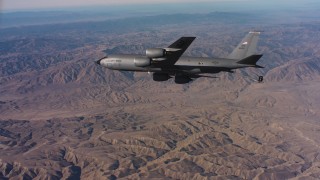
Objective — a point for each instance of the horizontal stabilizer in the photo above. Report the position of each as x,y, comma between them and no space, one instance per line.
251,60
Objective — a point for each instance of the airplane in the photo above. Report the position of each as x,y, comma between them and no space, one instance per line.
166,63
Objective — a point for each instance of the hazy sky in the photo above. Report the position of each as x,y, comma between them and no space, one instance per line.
40,4
35,4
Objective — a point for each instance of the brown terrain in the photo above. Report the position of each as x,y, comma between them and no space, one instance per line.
64,117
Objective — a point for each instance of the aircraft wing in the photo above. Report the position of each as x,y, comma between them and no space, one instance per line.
175,50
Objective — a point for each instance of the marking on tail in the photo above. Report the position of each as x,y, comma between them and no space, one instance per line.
246,47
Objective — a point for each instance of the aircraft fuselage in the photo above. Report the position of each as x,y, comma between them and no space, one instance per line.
190,65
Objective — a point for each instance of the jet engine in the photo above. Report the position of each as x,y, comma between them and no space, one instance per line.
141,61
155,53
161,77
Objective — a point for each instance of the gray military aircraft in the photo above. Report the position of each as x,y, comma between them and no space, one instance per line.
166,63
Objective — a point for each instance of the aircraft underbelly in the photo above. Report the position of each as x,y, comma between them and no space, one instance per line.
199,70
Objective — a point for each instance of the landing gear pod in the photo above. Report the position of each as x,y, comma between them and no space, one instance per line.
182,79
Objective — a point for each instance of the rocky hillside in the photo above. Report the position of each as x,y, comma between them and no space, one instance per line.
64,117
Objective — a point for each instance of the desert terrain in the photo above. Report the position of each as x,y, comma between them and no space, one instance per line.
64,117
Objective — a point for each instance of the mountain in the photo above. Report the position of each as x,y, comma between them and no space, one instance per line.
64,117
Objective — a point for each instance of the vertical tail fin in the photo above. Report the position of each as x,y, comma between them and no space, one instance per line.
247,46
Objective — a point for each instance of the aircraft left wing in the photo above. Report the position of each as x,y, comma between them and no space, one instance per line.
175,50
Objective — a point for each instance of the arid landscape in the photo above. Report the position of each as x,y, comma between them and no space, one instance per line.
64,117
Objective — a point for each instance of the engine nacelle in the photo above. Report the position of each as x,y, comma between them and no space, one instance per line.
142,61
155,53
160,77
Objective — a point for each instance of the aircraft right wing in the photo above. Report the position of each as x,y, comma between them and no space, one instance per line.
175,50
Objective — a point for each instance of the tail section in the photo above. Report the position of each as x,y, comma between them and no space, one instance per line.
251,60
247,46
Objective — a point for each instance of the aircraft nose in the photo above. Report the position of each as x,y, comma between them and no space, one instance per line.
98,62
